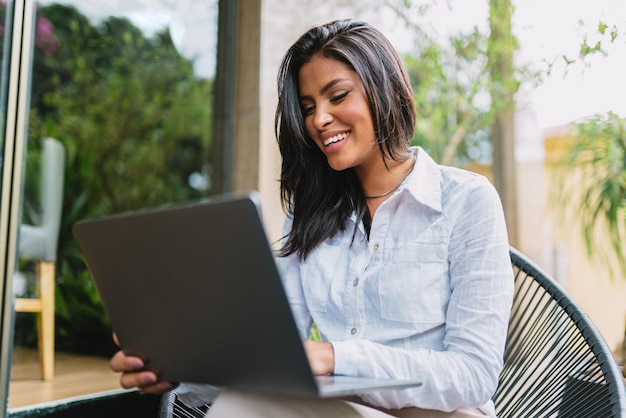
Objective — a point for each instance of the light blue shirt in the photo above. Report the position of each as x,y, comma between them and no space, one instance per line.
427,297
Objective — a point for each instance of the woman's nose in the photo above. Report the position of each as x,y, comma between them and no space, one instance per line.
322,118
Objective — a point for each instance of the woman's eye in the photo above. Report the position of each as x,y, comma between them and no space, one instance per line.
339,96
306,110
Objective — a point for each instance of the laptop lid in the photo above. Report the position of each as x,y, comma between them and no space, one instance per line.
194,290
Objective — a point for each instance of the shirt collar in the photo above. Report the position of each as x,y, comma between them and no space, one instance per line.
424,182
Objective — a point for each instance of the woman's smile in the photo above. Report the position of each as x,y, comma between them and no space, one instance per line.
334,138
336,111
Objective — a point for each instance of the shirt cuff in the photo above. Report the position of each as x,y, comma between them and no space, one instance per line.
347,358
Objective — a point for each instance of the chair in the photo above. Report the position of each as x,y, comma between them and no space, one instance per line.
556,363
172,407
38,243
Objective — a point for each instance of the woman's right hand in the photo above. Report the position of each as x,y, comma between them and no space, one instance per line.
134,374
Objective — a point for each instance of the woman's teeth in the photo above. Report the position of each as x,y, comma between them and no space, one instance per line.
336,138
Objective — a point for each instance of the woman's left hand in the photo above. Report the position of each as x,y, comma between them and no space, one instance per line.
321,357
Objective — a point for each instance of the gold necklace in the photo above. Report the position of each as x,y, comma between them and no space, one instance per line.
387,193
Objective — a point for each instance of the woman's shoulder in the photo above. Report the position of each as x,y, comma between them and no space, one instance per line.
462,176
450,175
460,183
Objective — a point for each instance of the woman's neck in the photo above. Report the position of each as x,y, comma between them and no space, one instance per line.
381,180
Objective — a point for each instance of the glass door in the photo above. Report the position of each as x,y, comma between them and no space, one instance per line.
16,19
121,103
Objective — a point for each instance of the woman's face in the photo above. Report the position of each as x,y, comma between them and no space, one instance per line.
336,114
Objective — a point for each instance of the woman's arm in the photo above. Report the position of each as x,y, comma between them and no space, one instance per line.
289,268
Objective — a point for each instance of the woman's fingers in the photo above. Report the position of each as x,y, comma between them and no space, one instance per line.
133,375
321,356
120,362
146,381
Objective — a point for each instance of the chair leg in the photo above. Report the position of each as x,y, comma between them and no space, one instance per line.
45,274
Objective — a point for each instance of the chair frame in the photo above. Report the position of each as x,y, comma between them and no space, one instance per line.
38,244
43,306
556,362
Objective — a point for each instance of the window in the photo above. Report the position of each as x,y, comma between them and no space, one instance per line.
126,89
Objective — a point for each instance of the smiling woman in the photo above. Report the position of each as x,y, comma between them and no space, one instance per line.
401,264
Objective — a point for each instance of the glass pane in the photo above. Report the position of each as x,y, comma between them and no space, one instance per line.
5,52
11,172
123,89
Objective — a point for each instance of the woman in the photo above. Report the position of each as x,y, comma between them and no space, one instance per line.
401,264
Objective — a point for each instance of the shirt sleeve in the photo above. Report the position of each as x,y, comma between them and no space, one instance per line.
289,268
466,371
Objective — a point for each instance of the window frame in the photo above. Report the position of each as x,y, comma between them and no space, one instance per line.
15,91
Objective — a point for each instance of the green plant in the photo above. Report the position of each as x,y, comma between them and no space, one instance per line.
596,160
135,121
449,82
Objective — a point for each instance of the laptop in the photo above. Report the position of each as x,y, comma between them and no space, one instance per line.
194,290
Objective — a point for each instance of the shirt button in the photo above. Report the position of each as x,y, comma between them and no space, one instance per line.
355,282
376,246
353,331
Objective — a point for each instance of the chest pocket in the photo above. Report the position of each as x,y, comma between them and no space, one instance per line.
317,273
413,284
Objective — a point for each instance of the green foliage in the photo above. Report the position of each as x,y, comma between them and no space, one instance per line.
315,334
135,122
593,42
454,110
591,47
598,156
597,159
458,91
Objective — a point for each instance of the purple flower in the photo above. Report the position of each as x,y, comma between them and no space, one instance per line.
44,36
44,32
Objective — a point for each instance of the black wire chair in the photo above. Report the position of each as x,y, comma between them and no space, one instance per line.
556,363
172,407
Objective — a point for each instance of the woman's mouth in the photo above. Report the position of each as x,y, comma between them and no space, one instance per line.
336,138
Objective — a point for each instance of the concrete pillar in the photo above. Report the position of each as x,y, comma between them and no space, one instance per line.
235,153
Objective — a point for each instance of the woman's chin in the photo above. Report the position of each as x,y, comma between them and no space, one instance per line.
338,165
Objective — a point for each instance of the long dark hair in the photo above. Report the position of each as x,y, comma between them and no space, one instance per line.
319,198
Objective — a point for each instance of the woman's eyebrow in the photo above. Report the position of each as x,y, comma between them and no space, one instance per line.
325,88
331,83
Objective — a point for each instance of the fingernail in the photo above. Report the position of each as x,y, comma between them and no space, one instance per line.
149,379
165,386
137,365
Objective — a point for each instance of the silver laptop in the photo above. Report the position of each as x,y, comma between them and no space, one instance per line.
194,290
